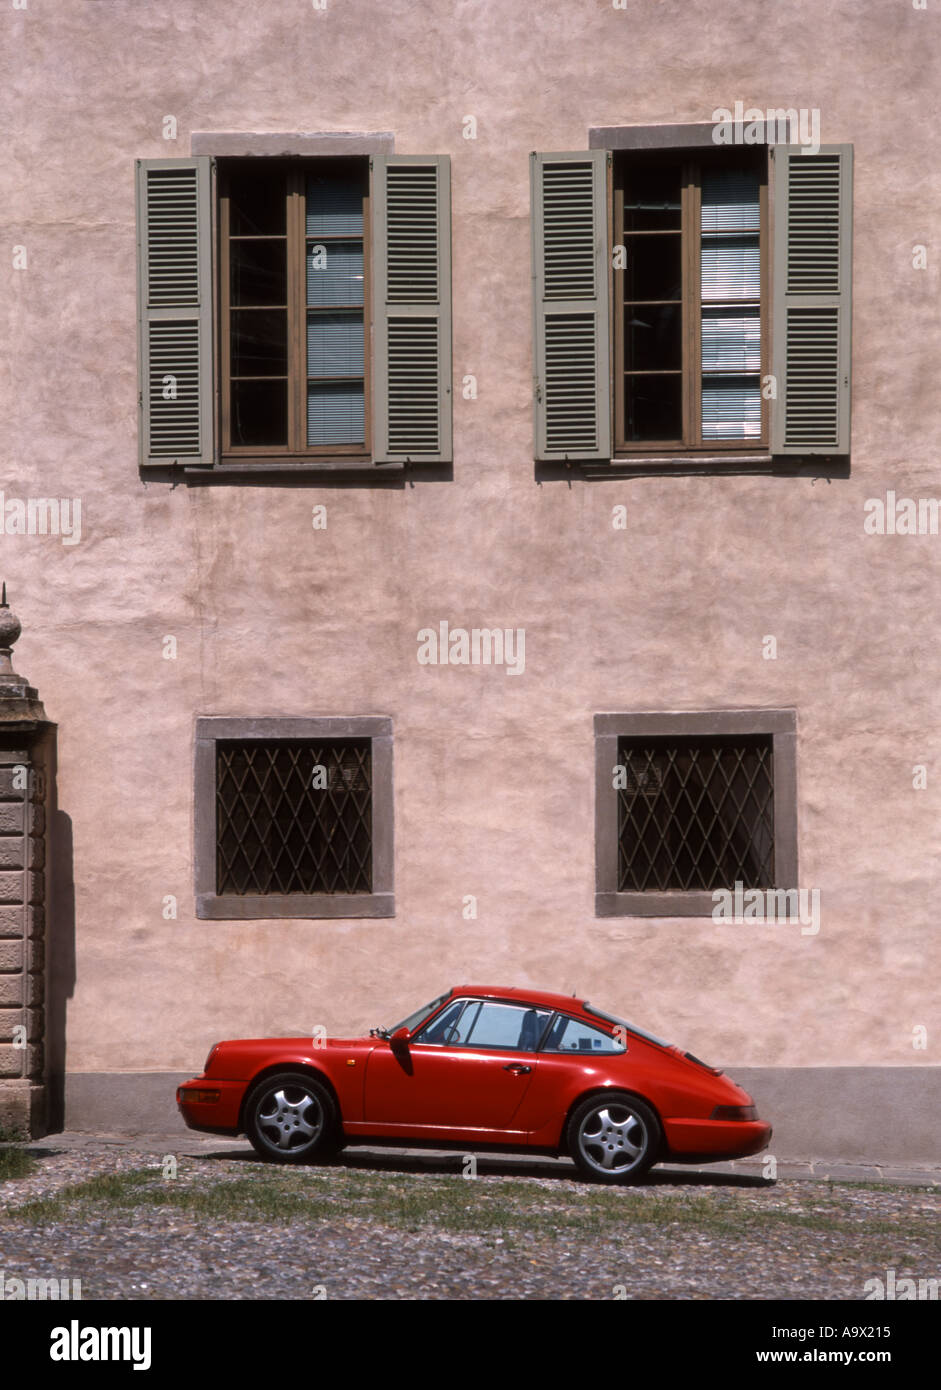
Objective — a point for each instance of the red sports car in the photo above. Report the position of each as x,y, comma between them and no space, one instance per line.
481,1069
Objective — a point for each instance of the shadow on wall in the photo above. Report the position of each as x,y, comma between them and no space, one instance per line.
60,954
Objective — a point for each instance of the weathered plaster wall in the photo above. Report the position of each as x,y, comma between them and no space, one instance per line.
493,773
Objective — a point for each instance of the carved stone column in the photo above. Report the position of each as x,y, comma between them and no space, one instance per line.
26,744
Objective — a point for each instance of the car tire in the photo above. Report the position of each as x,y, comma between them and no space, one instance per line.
613,1137
291,1118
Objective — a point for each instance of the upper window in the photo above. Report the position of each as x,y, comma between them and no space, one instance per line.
293,297
690,803
692,301
293,818
312,329
690,348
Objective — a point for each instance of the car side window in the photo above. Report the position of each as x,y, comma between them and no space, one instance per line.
507,1026
447,1027
572,1035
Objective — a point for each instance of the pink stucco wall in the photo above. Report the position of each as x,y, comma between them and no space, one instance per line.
493,774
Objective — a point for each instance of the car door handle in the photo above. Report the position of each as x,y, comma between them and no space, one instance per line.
518,1067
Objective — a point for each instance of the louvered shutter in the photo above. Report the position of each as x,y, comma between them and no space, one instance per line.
174,291
570,302
813,221
411,260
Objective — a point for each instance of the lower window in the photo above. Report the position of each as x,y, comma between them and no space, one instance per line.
690,803
294,818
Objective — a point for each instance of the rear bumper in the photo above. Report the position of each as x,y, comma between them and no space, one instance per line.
710,1141
211,1106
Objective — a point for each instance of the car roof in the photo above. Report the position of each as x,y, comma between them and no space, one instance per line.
540,997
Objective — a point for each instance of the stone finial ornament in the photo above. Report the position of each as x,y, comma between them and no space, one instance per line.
10,630
18,699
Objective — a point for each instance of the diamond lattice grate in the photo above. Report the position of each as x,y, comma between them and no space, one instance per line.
293,817
695,814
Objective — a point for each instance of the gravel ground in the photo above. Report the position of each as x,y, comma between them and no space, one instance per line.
717,1236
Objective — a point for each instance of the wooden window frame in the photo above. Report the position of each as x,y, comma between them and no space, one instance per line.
293,453
692,446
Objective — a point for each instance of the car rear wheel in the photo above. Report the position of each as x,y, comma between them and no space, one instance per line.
613,1138
291,1118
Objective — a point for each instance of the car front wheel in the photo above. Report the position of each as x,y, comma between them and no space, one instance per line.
613,1138
291,1118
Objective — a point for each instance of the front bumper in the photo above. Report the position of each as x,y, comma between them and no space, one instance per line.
211,1106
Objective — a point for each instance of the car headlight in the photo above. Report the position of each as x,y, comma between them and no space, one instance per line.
212,1052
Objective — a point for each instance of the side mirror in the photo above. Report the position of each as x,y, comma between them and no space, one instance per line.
399,1037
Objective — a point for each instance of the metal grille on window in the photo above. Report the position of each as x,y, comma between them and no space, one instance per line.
695,814
293,817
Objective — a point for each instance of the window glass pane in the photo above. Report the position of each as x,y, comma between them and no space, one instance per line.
259,342
731,341
652,337
257,200
335,345
448,1027
506,1026
730,200
334,273
652,199
571,1035
334,205
258,272
731,269
335,413
259,412
730,257
731,408
731,274
654,268
653,407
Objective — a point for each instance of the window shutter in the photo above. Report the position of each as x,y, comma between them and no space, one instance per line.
411,259
813,224
570,303
174,298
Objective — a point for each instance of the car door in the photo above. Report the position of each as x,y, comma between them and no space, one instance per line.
467,1072
575,1057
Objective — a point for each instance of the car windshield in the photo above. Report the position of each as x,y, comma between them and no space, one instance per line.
631,1027
413,1020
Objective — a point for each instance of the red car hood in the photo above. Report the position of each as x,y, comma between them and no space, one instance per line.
236,1058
